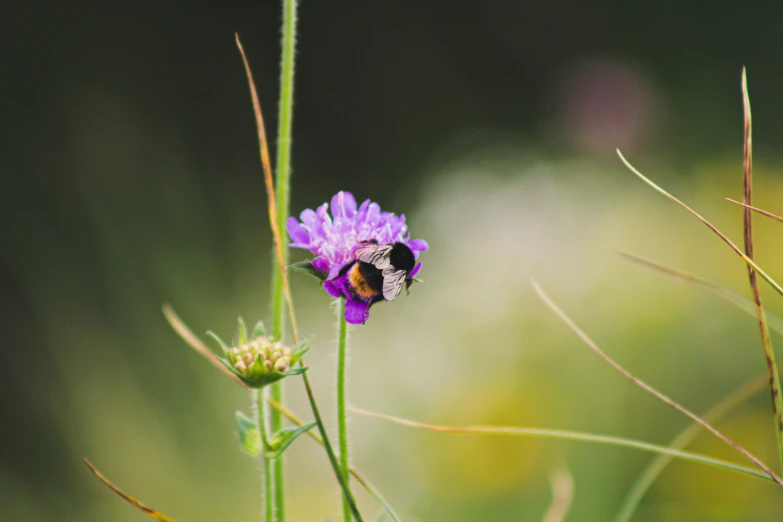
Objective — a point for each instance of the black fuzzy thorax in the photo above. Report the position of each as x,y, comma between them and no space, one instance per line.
401,257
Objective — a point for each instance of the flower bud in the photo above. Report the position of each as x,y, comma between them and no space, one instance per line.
260,361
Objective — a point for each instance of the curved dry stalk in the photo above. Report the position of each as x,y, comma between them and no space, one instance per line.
747,221
270,187
277,240
516,431
756,209
129,499
194,342
649,389
562,482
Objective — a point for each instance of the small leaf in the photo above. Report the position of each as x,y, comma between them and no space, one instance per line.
283,438
242,329
223,346
249,435
303,344
300,349
306,267
259,330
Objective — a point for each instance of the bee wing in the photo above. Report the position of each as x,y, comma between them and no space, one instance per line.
392,282
376,255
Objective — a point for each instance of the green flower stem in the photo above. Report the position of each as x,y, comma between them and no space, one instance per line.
282,189
342,424
260,406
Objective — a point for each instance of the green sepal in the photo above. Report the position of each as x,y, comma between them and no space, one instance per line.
249,435
417,280
223,346
306,267
259,330
259,380
242,331
257,368
283,438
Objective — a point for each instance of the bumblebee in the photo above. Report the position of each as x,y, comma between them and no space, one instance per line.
379,271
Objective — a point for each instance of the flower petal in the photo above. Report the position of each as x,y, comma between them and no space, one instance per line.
296,232
357,311
323,215
415,270
321,264
332,288
418,244
310,220
343,205
373,214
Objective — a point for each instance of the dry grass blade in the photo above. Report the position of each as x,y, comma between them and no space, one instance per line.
270,187
766,341
146,509
709,225
649,389
721,291
366,484
194,342
756,209
562,495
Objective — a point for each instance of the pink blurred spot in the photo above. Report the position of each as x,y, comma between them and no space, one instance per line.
606,105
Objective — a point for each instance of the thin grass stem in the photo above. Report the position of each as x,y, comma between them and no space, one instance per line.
516,431
756,209
709,225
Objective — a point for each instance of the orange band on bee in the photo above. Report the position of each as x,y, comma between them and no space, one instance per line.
360,284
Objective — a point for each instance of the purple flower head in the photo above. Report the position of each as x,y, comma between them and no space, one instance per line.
333,239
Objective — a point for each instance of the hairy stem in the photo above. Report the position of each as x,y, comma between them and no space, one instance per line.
282,186
342,421
286,290
262,421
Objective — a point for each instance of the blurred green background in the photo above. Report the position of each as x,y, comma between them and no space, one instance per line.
131,178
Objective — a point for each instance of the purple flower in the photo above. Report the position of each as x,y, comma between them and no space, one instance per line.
333,239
